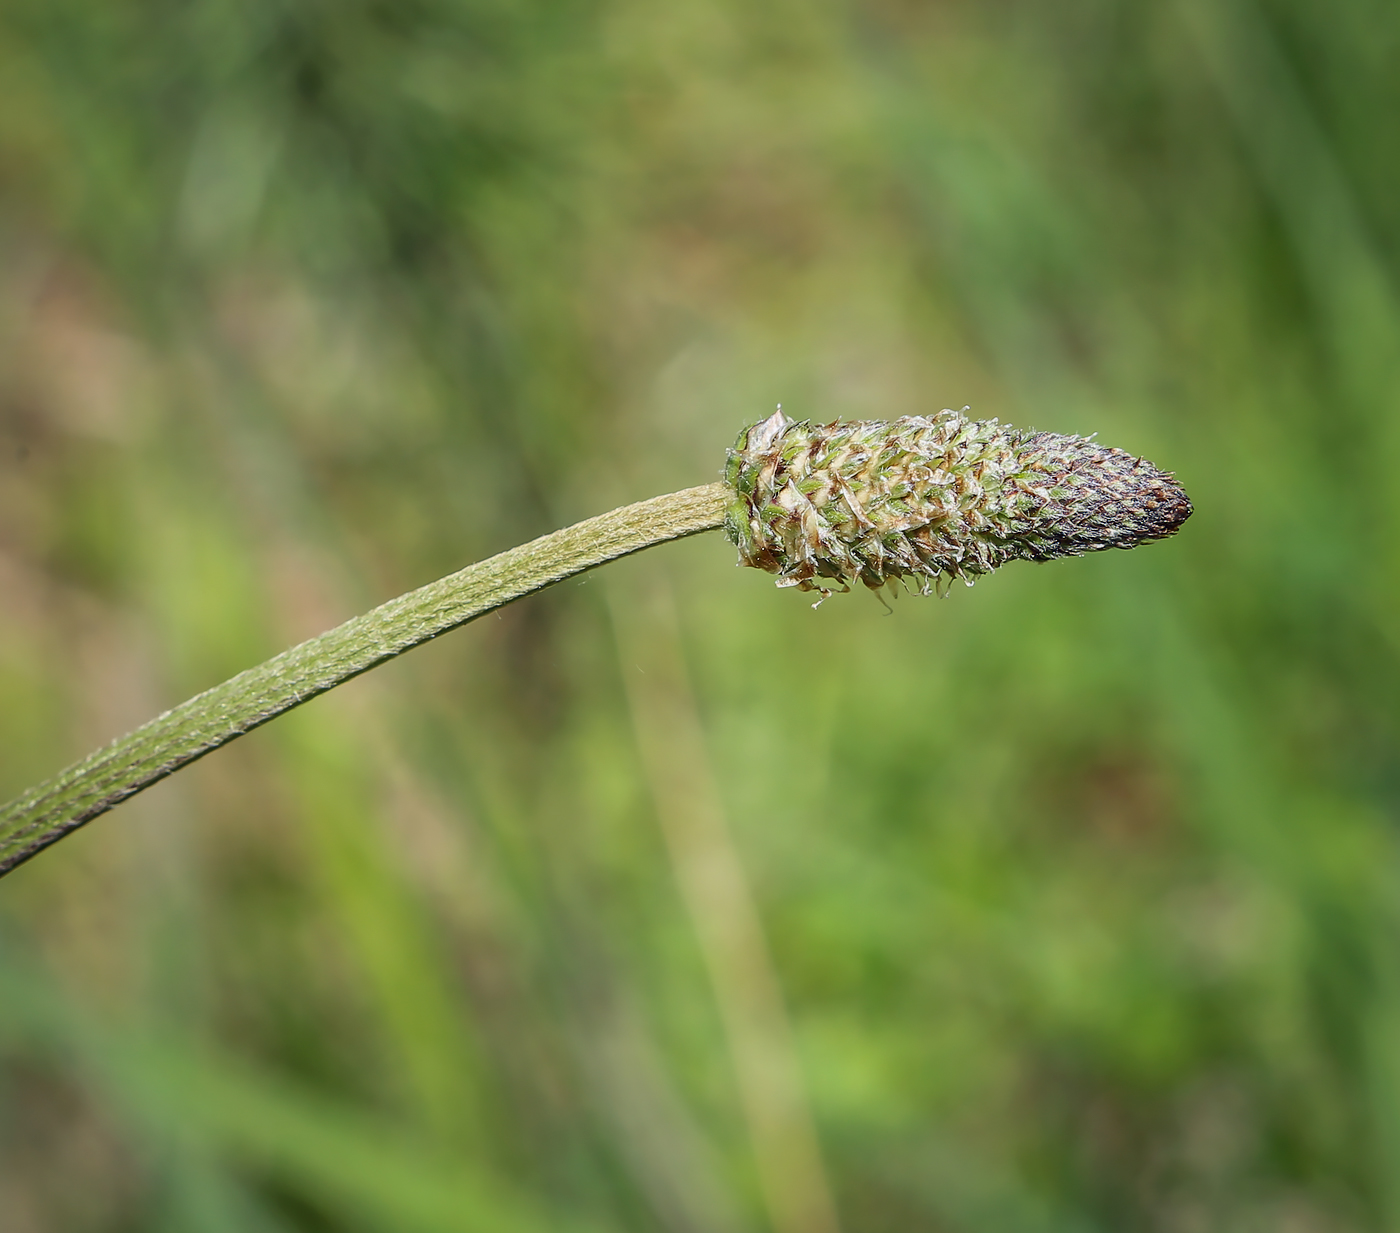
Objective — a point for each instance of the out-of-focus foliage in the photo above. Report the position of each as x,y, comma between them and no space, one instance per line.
1068,903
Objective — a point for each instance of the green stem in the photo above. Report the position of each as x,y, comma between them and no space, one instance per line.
48,811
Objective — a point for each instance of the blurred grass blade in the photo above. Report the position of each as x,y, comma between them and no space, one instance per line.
342,1158
720,902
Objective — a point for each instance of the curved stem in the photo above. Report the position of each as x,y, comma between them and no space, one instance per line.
50,810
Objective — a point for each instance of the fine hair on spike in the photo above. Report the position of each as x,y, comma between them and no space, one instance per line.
927,499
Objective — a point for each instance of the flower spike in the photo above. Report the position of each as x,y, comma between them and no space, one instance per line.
931,499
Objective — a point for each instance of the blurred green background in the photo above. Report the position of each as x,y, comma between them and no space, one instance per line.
661,901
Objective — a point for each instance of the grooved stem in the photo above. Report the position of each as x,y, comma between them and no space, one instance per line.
50,810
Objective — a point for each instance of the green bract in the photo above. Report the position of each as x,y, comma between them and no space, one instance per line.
932,498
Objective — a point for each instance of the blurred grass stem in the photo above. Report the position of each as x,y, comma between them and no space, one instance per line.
715,888
50,810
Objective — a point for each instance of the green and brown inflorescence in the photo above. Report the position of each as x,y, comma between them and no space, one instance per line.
932,498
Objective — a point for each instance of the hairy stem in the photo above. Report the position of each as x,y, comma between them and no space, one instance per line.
50,810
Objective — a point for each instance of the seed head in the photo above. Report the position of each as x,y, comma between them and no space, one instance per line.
932,498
